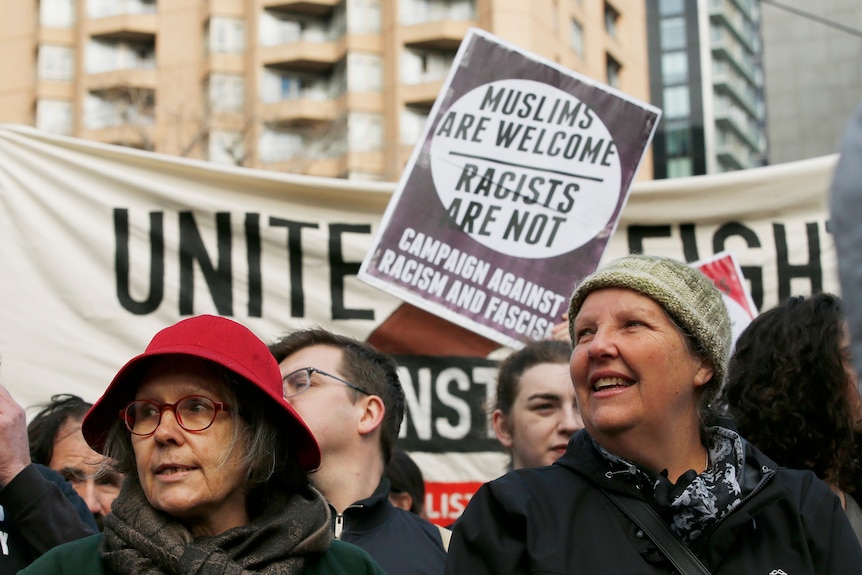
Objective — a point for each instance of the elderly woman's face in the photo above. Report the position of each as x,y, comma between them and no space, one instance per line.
631,368
184,473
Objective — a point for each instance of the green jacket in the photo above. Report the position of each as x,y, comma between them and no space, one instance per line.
82,557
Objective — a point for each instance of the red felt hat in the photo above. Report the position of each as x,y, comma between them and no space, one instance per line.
221,341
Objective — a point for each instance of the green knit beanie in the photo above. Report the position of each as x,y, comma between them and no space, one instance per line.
687,295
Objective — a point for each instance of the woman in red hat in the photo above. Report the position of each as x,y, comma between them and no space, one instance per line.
216,465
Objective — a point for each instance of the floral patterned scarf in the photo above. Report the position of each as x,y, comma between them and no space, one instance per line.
696,501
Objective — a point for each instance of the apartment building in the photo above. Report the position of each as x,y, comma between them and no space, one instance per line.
707,75
337,88
811,61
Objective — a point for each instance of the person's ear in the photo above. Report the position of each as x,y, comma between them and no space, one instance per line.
401,499
373,412
501,428
703,374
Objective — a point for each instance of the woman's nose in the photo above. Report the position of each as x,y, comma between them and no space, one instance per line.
602,344
168,428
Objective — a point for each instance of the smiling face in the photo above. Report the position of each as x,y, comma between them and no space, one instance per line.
634,376
185,473
543,416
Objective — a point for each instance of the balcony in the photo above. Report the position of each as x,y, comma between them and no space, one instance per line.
124,27
422,95
128,134
303,56
300,112
304,7
143,79
442,35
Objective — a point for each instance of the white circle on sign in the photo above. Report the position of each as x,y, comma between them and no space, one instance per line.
525,168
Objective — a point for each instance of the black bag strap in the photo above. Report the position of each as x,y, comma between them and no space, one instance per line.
648,520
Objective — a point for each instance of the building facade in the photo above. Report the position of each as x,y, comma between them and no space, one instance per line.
706,74
813,75
338,88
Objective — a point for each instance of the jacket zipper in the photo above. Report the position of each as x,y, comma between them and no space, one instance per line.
339,525
768,474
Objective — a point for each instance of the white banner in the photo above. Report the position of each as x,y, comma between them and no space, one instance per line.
102,246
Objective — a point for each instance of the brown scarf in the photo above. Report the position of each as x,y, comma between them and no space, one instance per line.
141,540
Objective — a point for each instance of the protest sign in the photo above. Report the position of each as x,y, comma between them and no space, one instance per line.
724,271
512,193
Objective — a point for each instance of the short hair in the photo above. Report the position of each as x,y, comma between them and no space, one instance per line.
787,388
515,364
266,458
405,477
364,366
45,425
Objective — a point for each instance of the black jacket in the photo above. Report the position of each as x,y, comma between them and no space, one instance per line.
400,541
39,510
555,520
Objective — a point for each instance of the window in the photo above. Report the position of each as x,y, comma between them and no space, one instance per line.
105,56
226,148
56,63
365,132
54,116
412,124
670,7
364,72
363,16
419,11
104,112
57,13
613,72
103,8
672,34
674,67
280,145
679,167
576,40
226,92
226,35
419,66
676,102
677,140
611,19
277,28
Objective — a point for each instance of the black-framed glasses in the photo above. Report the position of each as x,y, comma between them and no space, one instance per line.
298,381
193,413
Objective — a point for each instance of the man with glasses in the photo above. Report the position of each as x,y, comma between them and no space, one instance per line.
350,397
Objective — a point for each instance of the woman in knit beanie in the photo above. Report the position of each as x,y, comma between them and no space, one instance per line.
655,483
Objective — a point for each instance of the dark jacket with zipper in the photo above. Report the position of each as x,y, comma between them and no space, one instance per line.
401,542
556,520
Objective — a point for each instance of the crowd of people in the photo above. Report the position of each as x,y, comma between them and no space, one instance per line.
211,452
640,439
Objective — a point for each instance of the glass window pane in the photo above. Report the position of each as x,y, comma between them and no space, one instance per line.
576,41
674,67
676,102
679,167
670,7
672,34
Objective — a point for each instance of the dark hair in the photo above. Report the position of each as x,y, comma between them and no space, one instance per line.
42,430
787,388
364,366
405,477
515,364
266,457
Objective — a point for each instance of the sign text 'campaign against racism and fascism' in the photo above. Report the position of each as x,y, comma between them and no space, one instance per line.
512,193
